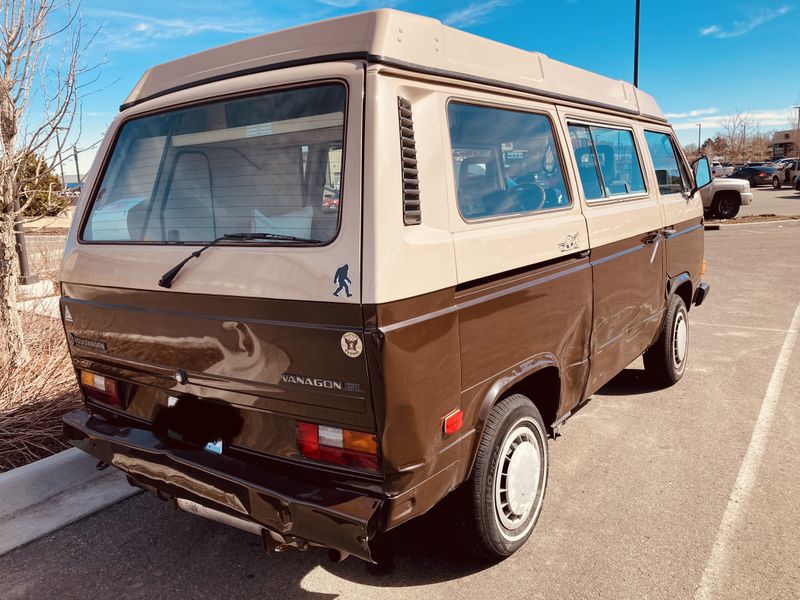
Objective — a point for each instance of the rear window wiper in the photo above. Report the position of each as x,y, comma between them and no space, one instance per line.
169,276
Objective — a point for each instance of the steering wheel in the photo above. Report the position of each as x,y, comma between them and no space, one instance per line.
528,196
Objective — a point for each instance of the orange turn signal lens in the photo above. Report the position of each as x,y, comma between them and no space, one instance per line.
361,442
703,268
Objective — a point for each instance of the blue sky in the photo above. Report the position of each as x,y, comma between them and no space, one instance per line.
701,60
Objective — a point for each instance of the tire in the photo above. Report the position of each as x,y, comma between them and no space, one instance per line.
726,205
776,183
665,361
491,520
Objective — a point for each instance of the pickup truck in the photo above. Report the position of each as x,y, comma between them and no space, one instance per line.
720,170
722,199
785,174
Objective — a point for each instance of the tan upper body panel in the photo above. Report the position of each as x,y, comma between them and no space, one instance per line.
400,38
279,272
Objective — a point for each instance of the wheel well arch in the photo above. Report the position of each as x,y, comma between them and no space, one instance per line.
723,193
684,290
541,383
543,388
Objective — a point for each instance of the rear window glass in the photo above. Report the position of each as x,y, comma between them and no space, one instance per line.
263,164
505,162
608,163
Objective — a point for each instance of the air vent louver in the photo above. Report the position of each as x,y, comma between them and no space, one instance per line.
412,210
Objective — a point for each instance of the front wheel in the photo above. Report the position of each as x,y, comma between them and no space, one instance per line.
726,205
665,361
498,506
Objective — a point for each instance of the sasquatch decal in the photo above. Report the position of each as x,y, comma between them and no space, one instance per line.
342,280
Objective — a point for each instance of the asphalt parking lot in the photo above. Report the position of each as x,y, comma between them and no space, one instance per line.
686,492
766,200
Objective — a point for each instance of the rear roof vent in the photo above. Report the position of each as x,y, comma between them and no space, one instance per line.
412,210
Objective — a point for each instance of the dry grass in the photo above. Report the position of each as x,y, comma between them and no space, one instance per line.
35,396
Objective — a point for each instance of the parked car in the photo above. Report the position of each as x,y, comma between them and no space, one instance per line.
722,199
796,184
779,162
719,169
785,174
756,175
318,379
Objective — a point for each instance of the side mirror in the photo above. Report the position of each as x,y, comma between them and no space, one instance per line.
702,174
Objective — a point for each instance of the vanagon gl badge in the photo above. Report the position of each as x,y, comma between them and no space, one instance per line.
351,345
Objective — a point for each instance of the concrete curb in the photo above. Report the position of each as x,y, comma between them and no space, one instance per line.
756,223
49,494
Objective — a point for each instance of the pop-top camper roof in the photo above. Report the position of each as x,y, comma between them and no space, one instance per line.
400,39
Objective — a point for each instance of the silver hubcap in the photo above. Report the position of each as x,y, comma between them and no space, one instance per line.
517,486
680,339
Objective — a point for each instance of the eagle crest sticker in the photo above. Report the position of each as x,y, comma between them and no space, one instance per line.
570,242
351,345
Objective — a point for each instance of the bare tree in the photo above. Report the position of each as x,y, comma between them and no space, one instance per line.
794,127
736,129
41,60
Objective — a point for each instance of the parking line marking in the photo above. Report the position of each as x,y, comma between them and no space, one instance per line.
732,326
749,469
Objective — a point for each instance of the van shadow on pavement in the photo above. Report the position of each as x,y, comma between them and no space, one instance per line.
143,548
628,382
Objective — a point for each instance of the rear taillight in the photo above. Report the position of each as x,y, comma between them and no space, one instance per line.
337,446
99,388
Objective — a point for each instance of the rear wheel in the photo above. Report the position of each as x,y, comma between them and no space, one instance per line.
726,205
776,183
665,361
498,506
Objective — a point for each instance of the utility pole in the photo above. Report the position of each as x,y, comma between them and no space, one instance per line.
699,132
636,48
25,276
77,168
60,161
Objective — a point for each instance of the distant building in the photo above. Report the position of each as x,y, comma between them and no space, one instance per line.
784,143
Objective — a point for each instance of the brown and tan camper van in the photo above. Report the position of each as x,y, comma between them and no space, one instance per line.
323,279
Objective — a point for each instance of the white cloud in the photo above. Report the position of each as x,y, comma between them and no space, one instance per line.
738,28
692,113
118,32
473,14
762,118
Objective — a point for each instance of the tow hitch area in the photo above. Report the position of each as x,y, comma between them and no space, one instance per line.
285,512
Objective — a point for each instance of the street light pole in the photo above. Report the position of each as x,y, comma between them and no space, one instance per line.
699,134
636,48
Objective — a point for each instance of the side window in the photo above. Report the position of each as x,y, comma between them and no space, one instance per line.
670,174
505,162
608,163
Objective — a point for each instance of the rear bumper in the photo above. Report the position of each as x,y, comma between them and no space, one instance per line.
701,293
297,512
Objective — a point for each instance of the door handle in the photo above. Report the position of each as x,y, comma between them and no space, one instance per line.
669,232
651,237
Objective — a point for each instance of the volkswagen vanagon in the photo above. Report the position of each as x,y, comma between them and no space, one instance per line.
323,279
